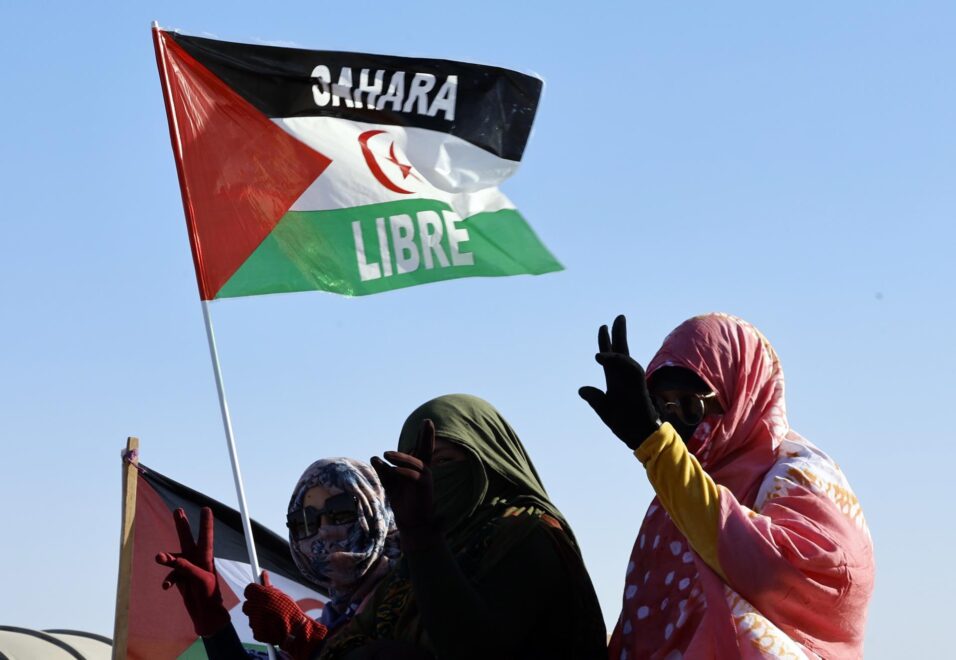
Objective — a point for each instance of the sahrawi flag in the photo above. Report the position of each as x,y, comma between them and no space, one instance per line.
345,172
159,627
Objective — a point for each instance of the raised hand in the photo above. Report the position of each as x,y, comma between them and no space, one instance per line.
194,574
408,484
275,618
626,406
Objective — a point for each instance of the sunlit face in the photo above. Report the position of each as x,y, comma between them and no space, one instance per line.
447,452
682,398
320,508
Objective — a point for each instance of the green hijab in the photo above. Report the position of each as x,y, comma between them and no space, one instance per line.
466,493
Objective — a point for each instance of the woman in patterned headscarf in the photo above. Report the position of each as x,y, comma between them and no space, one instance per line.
755,546
490,568
343,538
346,559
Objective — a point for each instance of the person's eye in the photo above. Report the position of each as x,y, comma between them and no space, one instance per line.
343,518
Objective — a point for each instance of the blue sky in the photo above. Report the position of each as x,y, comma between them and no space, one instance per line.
793,165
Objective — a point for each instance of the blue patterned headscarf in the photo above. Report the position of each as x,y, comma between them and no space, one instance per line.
340,558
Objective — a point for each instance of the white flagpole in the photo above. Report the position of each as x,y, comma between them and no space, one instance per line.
214,355
233,455
231,441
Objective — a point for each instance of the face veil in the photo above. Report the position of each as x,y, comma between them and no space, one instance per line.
339,557
498,467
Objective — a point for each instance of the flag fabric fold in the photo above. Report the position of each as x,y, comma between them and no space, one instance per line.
345,172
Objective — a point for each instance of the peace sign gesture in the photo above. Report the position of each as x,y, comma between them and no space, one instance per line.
626,407
194,573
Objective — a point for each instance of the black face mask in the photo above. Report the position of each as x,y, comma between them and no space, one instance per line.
682,380
685,431
459,487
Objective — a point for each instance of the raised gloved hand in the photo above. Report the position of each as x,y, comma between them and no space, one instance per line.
275,618
194,574
626,408
408,484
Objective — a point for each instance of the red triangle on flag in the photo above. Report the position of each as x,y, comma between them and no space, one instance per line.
238,171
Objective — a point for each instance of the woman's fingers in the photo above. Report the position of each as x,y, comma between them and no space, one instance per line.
182,568
405,468
167,558
426,442
186,543
619,335
614,341
206,544
593,396
402,460
169,580
185,568
604,340
621,370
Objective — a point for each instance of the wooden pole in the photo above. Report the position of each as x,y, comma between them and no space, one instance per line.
121,620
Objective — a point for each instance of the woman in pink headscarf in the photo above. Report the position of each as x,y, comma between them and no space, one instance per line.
755,546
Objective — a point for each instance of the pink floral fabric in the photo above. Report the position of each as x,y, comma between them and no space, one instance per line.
792,541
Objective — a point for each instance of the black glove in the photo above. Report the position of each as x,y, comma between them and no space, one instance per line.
408,484
626,408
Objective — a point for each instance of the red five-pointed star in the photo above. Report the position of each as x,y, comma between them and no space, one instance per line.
406,168
373,165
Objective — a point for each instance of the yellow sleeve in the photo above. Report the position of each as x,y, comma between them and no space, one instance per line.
685,490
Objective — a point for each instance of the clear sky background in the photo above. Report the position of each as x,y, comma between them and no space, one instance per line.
794,165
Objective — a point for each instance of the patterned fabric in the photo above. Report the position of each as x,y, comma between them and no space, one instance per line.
342,558
823,615
795,568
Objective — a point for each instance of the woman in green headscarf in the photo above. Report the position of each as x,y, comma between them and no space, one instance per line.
490,568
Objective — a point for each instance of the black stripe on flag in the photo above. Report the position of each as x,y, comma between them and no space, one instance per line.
492,108
272,549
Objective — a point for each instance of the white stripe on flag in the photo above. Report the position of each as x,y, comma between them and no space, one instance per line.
446,168
236,575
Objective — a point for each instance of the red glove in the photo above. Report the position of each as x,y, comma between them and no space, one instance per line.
277,619
194,574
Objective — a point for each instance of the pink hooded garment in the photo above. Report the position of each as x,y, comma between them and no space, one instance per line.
791,538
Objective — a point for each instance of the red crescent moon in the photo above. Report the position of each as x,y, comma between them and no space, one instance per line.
374,166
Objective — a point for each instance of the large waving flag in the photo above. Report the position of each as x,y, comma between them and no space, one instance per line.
345,172
158,627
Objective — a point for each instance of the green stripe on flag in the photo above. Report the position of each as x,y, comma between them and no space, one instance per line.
369,249
197,651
